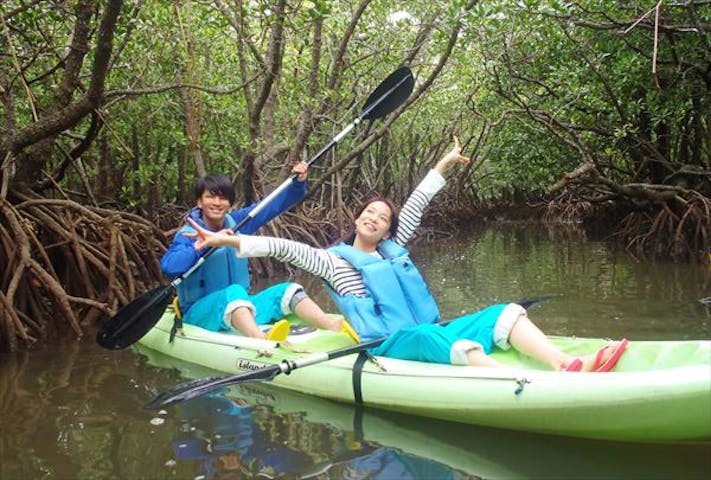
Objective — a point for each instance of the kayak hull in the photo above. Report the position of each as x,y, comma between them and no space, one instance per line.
660,391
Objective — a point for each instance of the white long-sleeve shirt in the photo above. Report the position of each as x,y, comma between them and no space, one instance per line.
343,277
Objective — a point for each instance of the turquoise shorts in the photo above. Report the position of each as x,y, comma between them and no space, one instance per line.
433,343
213,312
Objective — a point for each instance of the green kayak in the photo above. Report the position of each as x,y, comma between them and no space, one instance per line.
483,452
659,391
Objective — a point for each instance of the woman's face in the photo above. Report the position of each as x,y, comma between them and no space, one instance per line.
373,224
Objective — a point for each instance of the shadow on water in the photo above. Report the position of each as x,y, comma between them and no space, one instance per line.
74,411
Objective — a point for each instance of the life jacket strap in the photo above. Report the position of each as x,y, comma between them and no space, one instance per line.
177,320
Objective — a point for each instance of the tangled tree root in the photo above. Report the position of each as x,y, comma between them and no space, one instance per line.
66,264
658,230
683,234
568,212
653,220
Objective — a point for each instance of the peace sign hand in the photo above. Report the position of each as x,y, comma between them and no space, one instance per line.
206,238
452,157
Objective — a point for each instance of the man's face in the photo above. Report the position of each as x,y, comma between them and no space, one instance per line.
214,209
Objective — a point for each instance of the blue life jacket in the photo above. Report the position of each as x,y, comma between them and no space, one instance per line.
397,294
220,270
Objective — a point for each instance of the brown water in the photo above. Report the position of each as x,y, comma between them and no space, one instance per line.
73,410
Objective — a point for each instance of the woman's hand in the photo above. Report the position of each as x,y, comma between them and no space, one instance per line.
301,170
206,238
454,156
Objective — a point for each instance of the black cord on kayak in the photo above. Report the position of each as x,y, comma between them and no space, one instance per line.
357,376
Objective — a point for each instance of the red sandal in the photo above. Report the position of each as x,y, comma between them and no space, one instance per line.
600,366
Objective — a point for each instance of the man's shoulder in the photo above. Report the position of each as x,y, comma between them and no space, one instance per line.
183,229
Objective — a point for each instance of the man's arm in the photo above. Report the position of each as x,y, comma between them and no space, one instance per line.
180,256
293,194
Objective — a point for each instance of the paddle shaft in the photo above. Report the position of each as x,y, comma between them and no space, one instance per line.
268,199
287,366
192,389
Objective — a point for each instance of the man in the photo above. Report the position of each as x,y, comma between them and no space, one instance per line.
215,296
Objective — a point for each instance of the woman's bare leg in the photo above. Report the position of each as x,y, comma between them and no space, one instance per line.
528,339
478,358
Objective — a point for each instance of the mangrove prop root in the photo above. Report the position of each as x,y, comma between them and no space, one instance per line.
65,266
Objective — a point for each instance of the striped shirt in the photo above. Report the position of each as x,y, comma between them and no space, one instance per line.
343,277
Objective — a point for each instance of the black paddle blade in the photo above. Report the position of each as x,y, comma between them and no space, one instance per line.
390,94
195,388
531,302
176,393
134,320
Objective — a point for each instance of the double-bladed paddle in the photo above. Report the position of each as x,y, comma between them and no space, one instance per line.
134,320
195,388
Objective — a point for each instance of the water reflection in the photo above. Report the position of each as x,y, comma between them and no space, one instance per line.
385,464
599,291
229,438
72,411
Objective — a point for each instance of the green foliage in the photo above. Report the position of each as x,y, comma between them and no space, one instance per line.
577,83
538,86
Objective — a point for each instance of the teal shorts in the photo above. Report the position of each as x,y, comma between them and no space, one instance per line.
213,312
433,343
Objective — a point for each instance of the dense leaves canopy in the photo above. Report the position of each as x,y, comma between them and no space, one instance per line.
535,88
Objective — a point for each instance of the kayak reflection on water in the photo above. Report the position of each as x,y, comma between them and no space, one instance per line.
230,439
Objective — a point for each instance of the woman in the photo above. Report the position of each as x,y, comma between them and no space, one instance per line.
381,292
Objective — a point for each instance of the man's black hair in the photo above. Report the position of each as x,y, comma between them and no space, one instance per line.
216,185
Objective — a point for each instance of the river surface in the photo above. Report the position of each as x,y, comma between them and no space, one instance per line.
74,411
